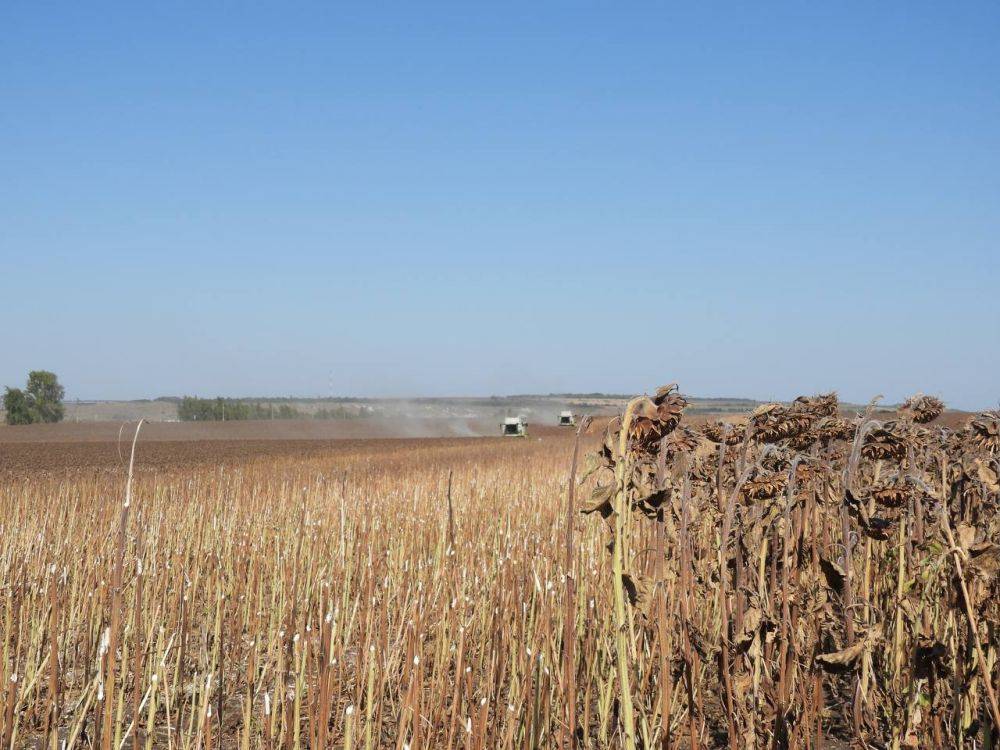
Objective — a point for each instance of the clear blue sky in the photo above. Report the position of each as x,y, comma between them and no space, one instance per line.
432,199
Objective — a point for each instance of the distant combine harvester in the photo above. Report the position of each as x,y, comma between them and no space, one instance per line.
566,419
514,427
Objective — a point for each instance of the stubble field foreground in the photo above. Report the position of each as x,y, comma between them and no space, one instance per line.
262,595
792,580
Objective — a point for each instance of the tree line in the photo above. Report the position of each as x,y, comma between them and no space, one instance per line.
193,409
41,400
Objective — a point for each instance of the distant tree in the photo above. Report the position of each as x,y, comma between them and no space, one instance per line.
16,407
46,395
40,401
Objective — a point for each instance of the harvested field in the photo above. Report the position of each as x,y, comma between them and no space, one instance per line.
427,593
242,573
276,429
165,455
101,445
165,445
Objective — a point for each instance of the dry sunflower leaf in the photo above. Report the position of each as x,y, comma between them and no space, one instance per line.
983,432
834,574
843,660
592,463
988,474
639,591
601,500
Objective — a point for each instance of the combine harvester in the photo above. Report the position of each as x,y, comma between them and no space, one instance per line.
514,427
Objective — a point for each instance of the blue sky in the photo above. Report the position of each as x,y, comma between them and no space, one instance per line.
438,199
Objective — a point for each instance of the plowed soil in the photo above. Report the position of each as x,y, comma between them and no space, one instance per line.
277,429
164,445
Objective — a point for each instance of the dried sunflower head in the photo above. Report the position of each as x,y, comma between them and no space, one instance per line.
893,496
778,459
983,432
808,471
774,422
922,409
681,440
669,406
831,429
645,435
652,421
822,405
887,441
765,485
730,432
803,441
894,492
664,392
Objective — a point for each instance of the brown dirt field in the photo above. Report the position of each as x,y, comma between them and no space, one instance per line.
96,446
277,429
37,456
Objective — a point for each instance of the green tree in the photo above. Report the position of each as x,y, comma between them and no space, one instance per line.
16,407
40,401
192,409
47,395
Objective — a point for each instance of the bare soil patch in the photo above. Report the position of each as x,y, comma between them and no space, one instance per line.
105,445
